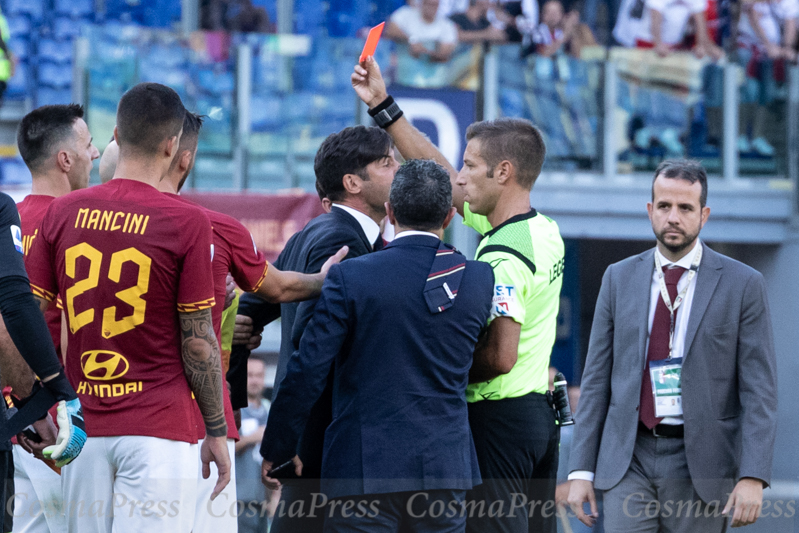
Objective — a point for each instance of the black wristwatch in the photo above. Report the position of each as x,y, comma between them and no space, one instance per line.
386,113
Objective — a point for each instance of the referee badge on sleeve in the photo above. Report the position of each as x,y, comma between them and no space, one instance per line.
16,236
504,302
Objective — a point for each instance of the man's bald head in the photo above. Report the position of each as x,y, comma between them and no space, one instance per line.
108,163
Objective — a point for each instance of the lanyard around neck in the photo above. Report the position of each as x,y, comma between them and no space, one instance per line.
664,292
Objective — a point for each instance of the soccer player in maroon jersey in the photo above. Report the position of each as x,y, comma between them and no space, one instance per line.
234,252
133,269
57,147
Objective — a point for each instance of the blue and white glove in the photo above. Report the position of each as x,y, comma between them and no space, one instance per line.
71,433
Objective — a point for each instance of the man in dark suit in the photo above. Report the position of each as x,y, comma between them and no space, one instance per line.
354,168
399,327
677,434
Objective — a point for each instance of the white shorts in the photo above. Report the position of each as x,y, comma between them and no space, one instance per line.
38,503
131,484
220,515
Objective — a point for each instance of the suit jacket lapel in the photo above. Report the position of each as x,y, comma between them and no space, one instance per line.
641,284
706,280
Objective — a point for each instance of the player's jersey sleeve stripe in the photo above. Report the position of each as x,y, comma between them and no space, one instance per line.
196,306
41,293
58,303
263,277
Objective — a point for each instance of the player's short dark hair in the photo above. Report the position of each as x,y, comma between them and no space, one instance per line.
349,151
192,124
421,195
685,169
42,131
148,114
511,139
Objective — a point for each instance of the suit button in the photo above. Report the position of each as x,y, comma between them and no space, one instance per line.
636,407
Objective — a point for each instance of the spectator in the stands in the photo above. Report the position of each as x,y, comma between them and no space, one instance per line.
519,18
560,31
474,26
426,34
766,40
664,26
235,15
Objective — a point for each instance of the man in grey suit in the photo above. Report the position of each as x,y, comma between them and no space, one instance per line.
678,409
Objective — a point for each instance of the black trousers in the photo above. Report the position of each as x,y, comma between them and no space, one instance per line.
517,443
424,511
7,489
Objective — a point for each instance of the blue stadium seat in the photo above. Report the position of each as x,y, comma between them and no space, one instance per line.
266,113
346,17
382,10
19,25
160,13
214,82
55,51
309,17
20,47
65,29
55,75
51,96
33,8
74,8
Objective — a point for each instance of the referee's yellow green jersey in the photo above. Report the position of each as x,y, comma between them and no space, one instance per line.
527,255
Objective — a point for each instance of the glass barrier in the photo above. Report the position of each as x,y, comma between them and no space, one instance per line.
301,93
200,69
561,95
668,107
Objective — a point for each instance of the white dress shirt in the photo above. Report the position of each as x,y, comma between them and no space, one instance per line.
680,326
369,226
411,232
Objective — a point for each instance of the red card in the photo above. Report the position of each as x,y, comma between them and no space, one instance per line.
371,42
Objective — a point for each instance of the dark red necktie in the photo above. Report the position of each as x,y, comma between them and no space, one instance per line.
658,344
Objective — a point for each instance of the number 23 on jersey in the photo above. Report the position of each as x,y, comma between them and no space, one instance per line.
131,295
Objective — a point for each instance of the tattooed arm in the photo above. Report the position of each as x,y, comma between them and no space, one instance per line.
202,365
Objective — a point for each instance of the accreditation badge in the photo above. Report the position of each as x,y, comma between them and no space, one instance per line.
666,376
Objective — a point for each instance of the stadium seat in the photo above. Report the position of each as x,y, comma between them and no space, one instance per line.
55,75
65,29
214,82
309,17
74,8
19,25
20,47
50,96
55,51
346,17
266,113
32,8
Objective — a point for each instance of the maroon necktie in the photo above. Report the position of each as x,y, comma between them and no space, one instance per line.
658,344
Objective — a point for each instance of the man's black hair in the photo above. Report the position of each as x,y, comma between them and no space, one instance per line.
349,151
149,114
685,169
42,132
421,195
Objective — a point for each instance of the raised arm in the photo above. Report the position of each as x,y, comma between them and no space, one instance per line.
202,365
412,144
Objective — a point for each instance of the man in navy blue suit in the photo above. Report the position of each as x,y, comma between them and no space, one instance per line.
399,328
354,168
